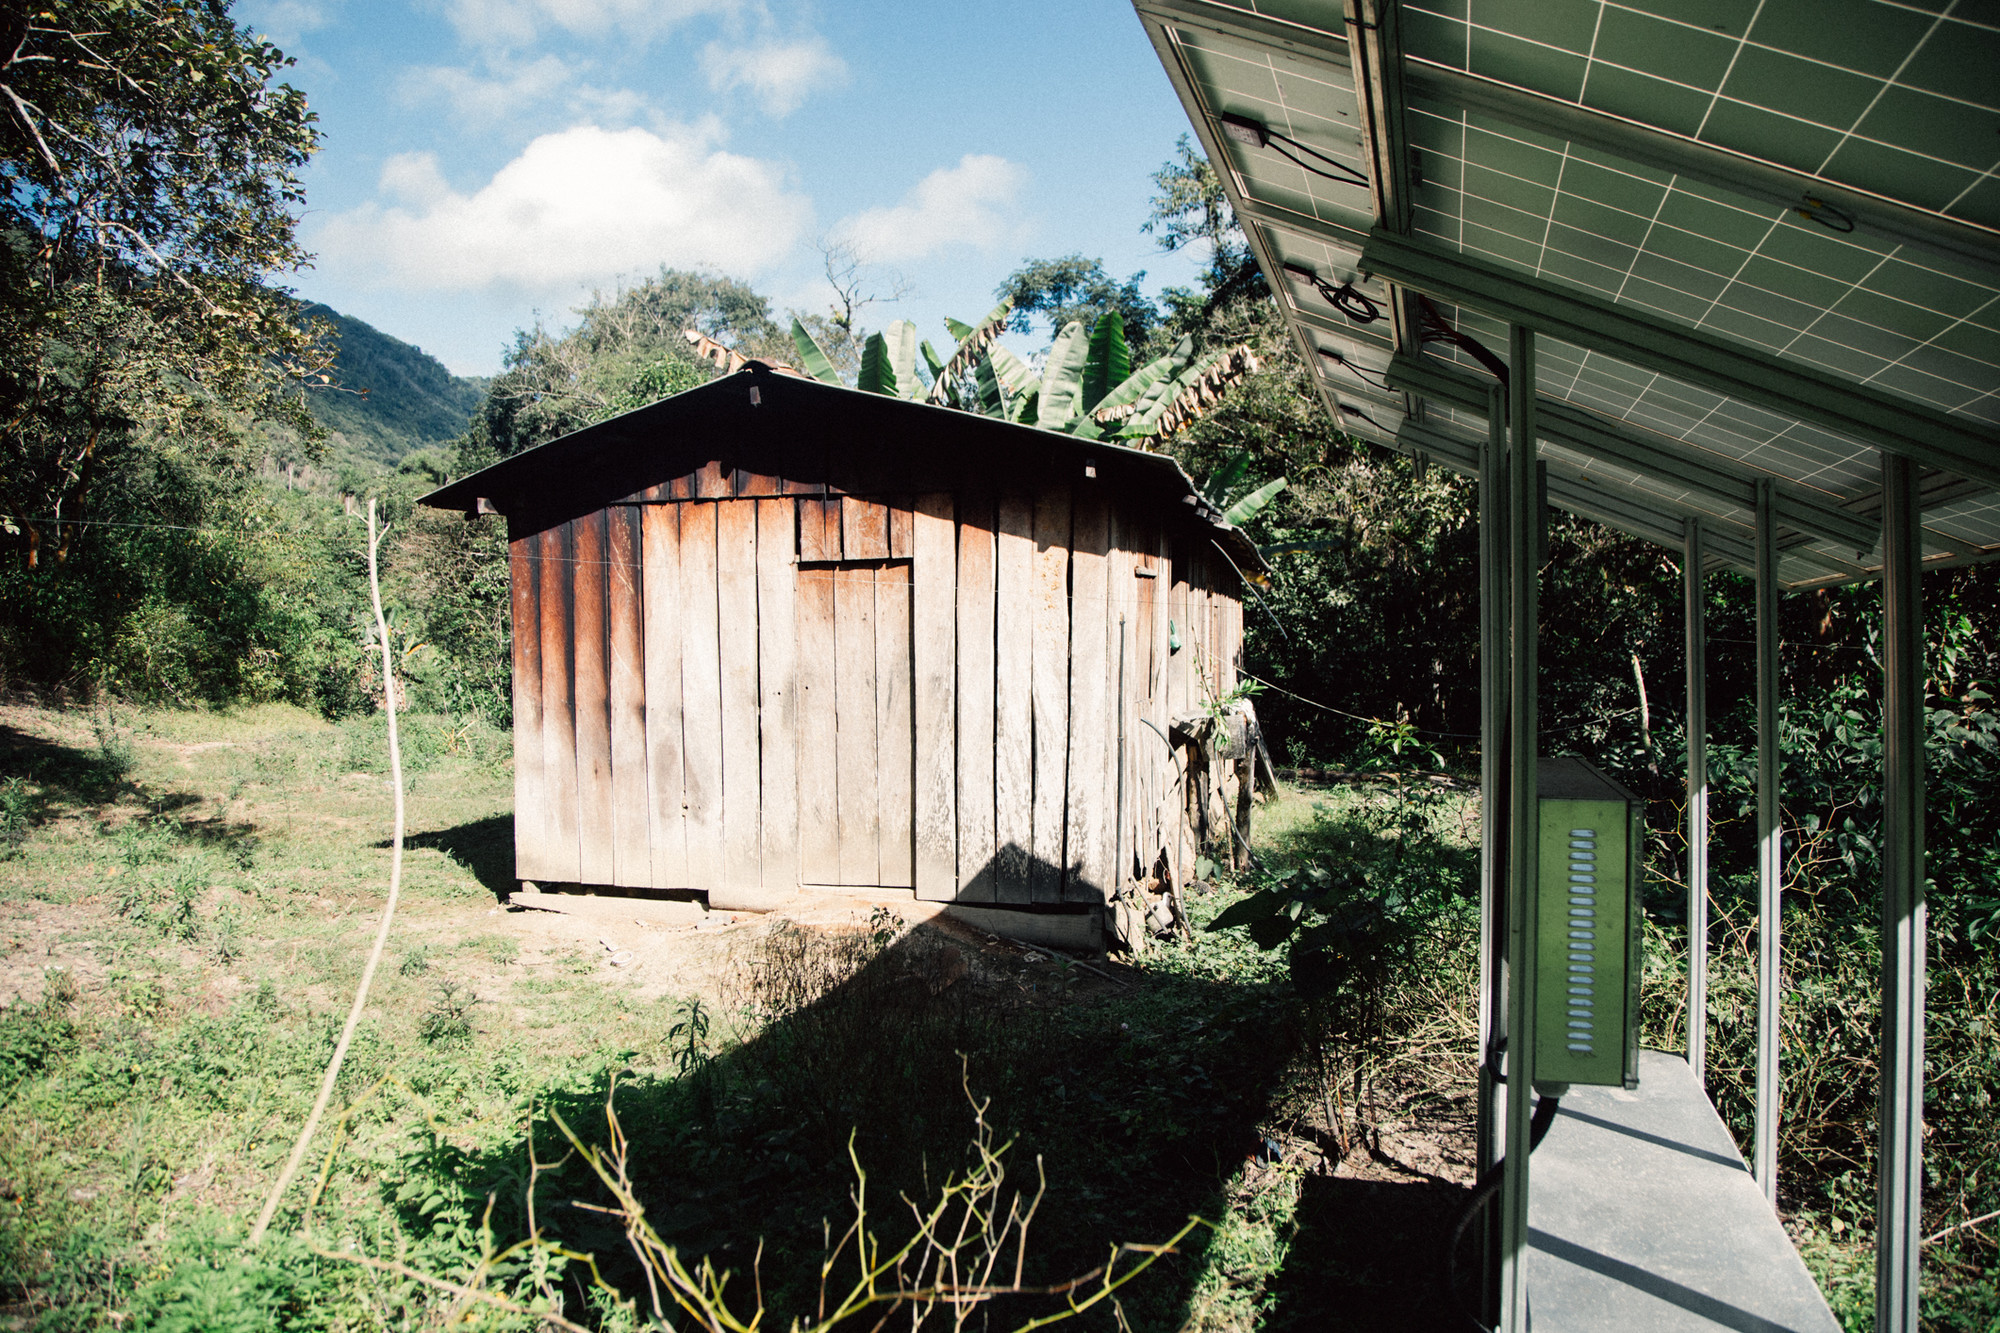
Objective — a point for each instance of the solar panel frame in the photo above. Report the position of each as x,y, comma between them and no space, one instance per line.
1868,308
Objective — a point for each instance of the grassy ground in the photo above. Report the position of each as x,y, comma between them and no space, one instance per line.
187,898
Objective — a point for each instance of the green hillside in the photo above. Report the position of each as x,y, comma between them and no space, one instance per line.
392,398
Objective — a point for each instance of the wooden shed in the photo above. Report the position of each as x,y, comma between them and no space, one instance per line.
772,634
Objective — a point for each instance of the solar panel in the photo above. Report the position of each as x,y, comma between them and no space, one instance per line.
1809,181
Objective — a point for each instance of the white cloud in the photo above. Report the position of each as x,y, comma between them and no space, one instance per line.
574,208
283,21
971,204
482,99
507,91
414,179
778,74
509,23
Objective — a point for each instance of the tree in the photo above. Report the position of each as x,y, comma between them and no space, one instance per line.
1077,290
1191,209
148,181
629,348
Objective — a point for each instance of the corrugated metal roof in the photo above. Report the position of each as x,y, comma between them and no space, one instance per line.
1754,241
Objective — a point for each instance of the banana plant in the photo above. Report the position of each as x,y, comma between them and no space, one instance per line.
1087,386
1244,505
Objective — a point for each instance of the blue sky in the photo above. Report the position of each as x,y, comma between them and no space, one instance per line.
488,162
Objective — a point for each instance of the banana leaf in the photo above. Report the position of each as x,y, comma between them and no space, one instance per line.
1014,374
992,402
1135,386
1026,408
944,387
960,330
1249,506
1062,377
1224,479
902,342
876,375
1153,404
1190,394
972,342
1110,360
815,362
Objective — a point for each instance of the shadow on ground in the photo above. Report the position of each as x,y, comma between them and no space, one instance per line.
1140,1103
1369,1254
483,846
78,778
64,772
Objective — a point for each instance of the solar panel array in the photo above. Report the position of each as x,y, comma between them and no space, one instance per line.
1897,105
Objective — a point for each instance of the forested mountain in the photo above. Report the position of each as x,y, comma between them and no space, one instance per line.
388,398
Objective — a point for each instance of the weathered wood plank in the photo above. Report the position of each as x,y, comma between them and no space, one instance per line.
594,793
1165,773
858,740
701,696
750,483
736,601
713,481
1151,770
902,530
562,862
777,687
1120,724
625,615
531,797
819,811
1179,671
934,649
1051,690
864,529
1087,816
1013,698
667,801
1178,658
819,529
895,751
1232,639
976,871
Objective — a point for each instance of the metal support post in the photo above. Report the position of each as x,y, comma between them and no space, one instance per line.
1770,853
1524,537
1492,754
1899,1216
1492,809
1697,805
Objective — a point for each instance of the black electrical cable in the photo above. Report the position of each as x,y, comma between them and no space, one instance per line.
1342,173
1352,303
1346,298
1374,381
1483,1193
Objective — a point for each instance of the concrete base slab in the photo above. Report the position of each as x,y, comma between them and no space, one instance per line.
1642,1215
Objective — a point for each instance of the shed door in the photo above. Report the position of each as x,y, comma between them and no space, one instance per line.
857,729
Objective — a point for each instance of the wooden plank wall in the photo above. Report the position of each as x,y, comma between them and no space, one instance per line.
742,681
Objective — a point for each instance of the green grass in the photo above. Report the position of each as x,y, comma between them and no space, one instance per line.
192,896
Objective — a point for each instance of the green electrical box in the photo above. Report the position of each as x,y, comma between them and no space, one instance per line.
1588,952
